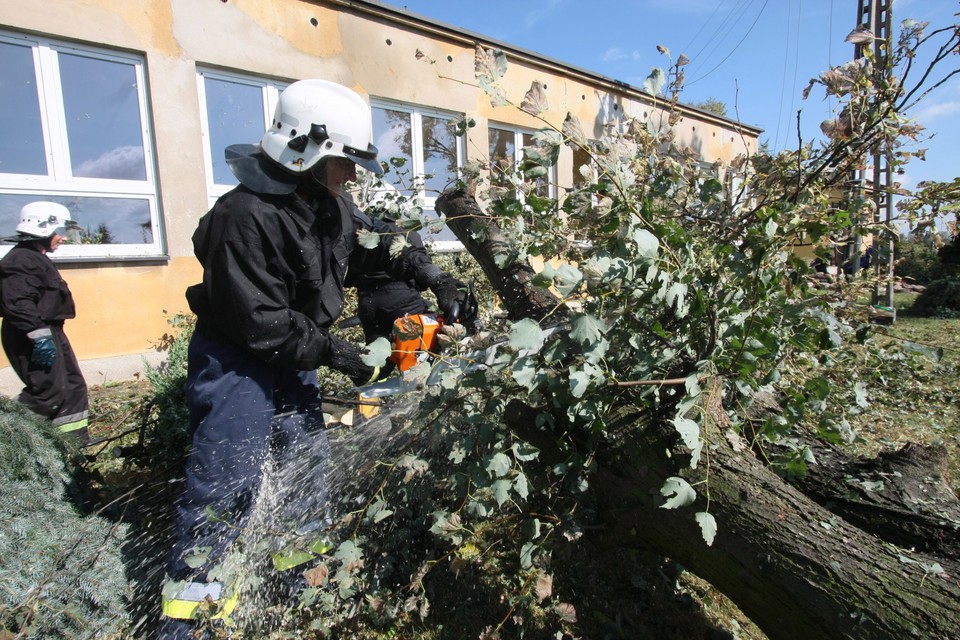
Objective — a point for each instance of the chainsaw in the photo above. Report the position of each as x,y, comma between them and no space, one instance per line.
415,345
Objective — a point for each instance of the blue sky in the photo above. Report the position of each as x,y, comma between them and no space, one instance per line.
756,56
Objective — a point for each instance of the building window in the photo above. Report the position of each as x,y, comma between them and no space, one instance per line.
75,129
238,109
423,153
506,154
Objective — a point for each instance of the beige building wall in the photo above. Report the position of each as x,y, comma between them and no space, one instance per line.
384,53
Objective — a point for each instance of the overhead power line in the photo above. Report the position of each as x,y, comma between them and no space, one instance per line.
719,64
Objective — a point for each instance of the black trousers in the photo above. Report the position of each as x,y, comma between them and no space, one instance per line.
58,392
378,307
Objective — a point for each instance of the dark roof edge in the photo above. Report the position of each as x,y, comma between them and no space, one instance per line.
471,38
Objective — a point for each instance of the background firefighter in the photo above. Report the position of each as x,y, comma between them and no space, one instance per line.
274,252
35,301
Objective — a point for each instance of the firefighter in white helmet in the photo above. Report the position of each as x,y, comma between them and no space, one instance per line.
35,301
274,253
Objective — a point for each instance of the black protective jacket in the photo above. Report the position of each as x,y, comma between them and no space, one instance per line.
33,295
274,269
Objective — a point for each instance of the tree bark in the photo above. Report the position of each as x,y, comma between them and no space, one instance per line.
795,568
483,240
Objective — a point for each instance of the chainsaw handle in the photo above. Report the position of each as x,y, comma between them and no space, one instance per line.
454,313
466,312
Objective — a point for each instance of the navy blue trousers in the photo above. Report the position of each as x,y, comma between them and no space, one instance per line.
58,392
243,411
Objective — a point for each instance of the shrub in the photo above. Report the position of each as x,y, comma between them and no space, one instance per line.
917,260
941,299
166,411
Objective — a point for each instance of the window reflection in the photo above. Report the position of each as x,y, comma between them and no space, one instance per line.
439,153
102,111
234,115
506,156
428,149
503,155
21,136
393,137
101,220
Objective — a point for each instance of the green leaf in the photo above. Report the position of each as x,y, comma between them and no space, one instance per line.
531,529
771,229
349,553
709,189
568,279
689,431
498,465
368,239
676,297
648,245
501,491
587,328
397,245
680,490
525,452
521,486
377,352
524,371
526,335
579,383
934,353
197,557
655,81
860,389
526,554
708,526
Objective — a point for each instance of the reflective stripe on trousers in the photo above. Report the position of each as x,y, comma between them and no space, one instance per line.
183,600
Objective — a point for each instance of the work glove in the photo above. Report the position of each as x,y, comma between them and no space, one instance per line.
44,351
347,360
451,294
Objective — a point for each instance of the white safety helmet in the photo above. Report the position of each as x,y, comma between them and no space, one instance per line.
314,119
44,219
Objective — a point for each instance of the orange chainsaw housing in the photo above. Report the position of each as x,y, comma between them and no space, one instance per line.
414,337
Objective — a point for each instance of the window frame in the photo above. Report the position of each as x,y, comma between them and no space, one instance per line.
518,146
59,181
421,197
270,90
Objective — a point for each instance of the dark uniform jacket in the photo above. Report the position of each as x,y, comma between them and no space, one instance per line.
33,295
274,272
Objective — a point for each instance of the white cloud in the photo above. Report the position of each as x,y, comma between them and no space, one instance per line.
119,163
388,142
932,112
614,54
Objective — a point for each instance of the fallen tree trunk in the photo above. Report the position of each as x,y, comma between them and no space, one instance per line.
901,496
485,243
795,568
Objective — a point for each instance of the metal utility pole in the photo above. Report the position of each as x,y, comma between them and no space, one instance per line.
876,180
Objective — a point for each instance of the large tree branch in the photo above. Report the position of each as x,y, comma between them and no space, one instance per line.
482,238
796,568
